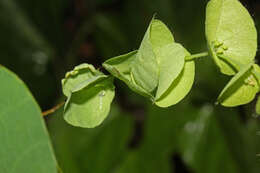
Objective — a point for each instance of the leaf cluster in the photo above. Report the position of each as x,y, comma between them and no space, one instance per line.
163,70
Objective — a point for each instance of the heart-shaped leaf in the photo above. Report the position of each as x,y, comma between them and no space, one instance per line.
231,35
241,89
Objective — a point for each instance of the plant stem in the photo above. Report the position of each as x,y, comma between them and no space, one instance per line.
195,56
52,110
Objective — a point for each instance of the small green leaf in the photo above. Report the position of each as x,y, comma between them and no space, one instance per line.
231,35
171,62
258,105
89,106
256,72
81,76
180,87
120,68
144,68
241,89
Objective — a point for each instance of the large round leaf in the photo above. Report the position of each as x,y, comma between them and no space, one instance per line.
231,35
25,144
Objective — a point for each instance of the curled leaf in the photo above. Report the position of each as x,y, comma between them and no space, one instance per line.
81,76
231,35
120,68
241,89
90,106
89,93
144,68
158,69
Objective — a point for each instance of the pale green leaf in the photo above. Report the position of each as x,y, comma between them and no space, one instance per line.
81,76
241,89
258,105
144,68
180,87
171,58
25,144
231,35
120,68
89,106
256,72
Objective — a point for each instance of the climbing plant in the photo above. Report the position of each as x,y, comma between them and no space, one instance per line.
163,71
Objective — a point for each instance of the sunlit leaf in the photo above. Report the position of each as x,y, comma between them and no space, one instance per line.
25,144
171,62
257,107
241,89
231,35
144,68
180,86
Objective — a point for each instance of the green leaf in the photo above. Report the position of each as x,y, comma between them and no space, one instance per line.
180,86
241,89
256,72
171,62
144,68
120,68
231,35
80,77
23,136
257,107
89,106
171,82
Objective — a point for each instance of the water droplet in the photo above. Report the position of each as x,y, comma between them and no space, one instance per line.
102,93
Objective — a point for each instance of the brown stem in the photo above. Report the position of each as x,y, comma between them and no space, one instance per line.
52,110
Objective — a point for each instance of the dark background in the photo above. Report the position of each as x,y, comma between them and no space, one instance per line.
42,39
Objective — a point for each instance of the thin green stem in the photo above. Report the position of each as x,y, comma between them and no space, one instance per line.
195,56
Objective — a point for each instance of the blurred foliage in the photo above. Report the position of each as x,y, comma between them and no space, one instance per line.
40,40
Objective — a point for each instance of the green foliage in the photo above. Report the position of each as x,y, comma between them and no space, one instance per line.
241,89
192,136
23,134
89,95
165,81
164,71
231,35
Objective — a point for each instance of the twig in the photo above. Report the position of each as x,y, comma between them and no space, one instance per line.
52,110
